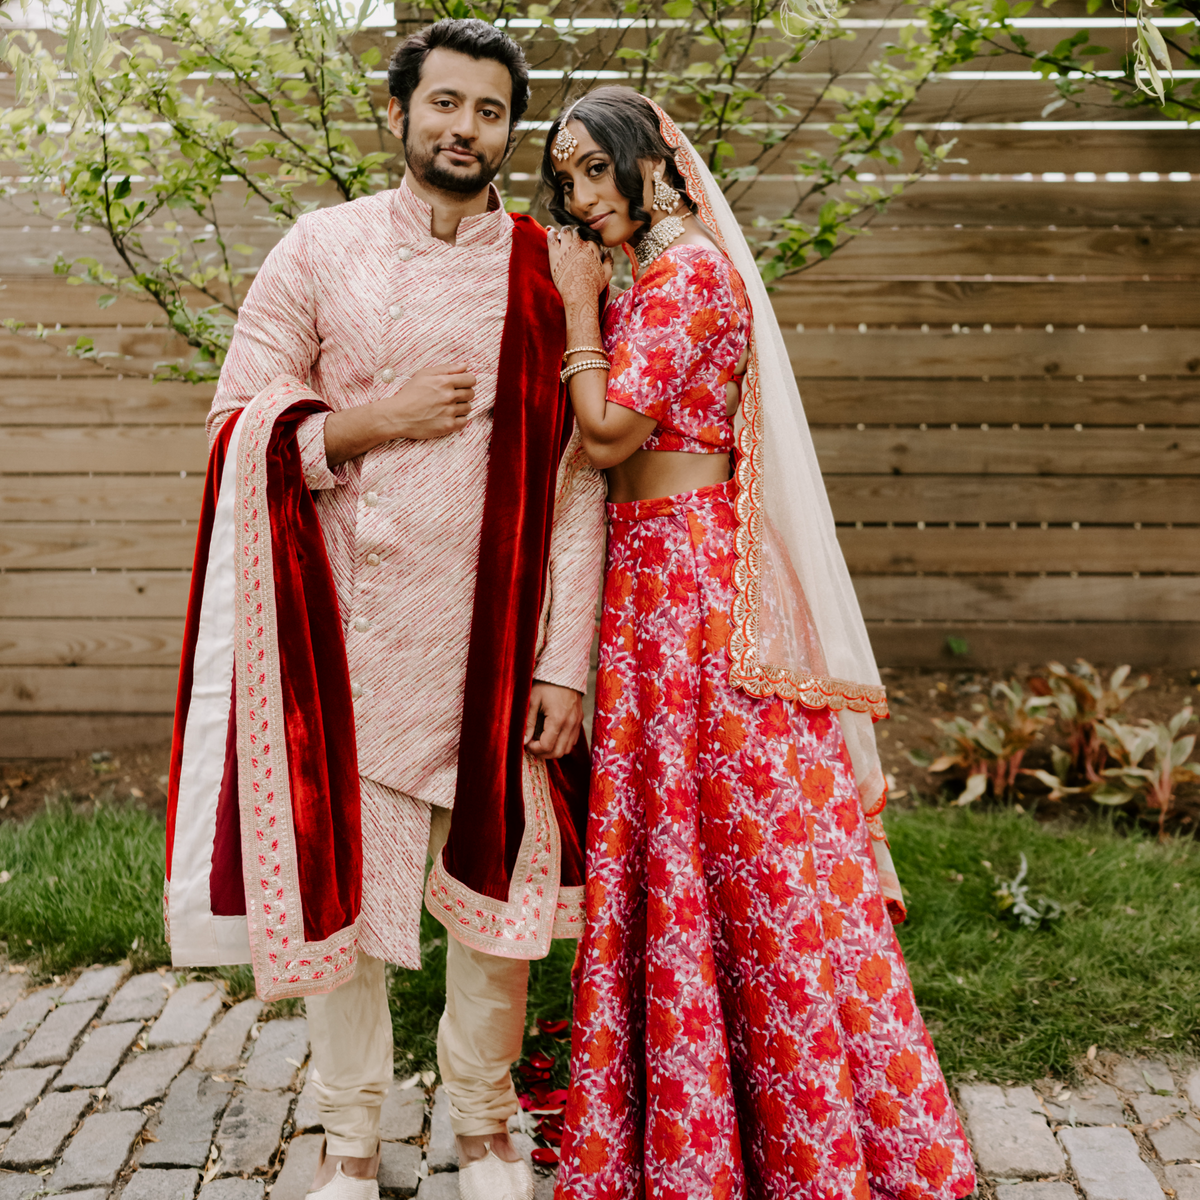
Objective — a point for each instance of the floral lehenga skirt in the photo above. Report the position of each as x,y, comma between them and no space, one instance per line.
744,1023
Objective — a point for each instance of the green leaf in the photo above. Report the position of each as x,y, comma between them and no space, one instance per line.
122,189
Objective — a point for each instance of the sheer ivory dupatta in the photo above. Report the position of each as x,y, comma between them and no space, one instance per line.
798,631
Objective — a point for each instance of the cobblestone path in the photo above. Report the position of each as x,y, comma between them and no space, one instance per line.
120,1087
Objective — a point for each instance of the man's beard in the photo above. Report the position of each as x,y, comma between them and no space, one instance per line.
424,163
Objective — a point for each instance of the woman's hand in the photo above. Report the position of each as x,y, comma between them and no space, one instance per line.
580,269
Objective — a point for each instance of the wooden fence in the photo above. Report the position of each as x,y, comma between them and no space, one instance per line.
1003,381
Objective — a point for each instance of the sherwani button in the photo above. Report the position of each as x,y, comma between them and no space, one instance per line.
372,560
396,312
404,253
371,499
362,624
356,690
387,375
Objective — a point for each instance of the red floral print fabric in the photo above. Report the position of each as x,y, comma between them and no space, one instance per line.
744,1024
674,340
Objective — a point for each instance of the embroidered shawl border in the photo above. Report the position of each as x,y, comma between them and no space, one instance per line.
537,908
285,964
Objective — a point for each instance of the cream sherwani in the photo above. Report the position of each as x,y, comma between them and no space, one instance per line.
354,301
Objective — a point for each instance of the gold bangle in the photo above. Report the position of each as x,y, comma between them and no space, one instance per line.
583,350
587,365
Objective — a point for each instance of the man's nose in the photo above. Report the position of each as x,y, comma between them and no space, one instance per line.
465,125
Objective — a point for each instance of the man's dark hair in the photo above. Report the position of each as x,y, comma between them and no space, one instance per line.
472,37
626,128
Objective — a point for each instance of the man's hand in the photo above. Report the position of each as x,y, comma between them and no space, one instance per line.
434,403
555,715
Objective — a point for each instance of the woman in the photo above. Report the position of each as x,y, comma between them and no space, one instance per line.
744,1024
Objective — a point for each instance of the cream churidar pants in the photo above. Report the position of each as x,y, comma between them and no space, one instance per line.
479,1038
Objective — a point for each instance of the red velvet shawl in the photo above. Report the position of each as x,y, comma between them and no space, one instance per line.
531,425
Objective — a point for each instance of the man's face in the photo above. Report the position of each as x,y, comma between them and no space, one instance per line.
455,132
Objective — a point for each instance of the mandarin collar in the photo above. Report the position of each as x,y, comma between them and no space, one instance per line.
414,218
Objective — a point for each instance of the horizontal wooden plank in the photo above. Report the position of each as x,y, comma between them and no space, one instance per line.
1127,402
136,352
102,498
103,400
70,544
821,299
88,689
944,200
1000,499
99,594
52,300
998,550
62,449
1151,598
1006,647
1007,451
886,353
53,735
154,642
1037,253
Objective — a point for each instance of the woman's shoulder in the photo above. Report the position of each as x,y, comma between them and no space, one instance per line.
702,266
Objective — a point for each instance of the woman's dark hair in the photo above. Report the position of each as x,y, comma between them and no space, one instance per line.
472,37
626,128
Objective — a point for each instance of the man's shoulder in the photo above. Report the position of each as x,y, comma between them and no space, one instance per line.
332,225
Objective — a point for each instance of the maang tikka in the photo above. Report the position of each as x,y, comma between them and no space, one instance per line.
666,198
564,143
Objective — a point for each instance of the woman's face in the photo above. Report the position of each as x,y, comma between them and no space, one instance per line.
590,191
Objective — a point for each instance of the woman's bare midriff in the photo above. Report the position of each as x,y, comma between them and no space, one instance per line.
651,474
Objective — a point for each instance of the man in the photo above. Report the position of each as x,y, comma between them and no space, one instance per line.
414,371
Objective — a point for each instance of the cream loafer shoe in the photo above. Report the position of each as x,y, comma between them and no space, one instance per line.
491,1178
342,1187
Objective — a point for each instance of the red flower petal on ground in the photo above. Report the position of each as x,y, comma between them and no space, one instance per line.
825,1044
856,1016
844,1151
817,785
934,1163
935,1101
904,1072
845,880
884,1111
544,1156
875,977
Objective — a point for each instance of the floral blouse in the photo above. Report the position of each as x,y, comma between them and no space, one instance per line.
674,340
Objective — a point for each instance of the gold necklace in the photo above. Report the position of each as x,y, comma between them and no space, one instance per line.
658,238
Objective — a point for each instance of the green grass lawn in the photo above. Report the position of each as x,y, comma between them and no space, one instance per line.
1120,968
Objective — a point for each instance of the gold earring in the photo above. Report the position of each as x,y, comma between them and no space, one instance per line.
666,198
